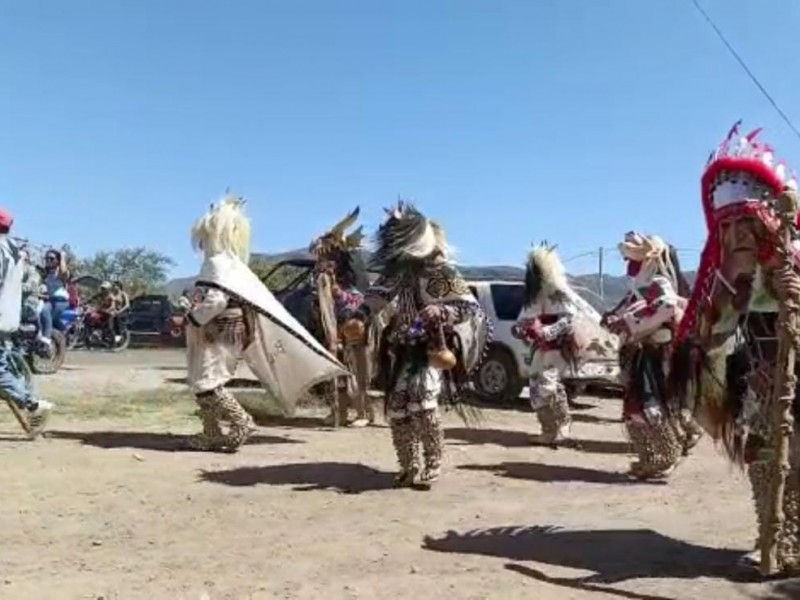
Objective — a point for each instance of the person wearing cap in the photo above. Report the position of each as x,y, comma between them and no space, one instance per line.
12,386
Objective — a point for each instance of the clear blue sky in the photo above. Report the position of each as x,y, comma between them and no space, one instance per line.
510,121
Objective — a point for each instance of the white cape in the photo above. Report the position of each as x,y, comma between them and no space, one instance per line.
282,354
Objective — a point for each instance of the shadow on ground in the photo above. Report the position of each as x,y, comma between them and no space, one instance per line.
594,419
555,473
522,439
164,442
298,421
237,382
785,590
345,478
612,556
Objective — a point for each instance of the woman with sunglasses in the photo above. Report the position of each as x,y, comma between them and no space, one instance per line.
56,280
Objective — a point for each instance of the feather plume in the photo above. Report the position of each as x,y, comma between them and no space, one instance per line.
544,271
407,237
224,228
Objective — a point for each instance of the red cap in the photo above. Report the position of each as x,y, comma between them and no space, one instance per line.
6,219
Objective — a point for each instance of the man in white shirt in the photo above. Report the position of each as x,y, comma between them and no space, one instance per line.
12,385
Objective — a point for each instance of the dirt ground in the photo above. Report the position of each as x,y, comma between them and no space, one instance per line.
106,508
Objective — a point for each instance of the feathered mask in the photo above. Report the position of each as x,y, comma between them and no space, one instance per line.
337,238
224,228
408,236
543,271
650,256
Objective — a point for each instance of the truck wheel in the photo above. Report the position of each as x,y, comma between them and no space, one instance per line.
497,379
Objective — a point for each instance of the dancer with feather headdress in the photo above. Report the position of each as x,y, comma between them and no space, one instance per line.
340,278
436,336
646,320
562,330
736,354
238,318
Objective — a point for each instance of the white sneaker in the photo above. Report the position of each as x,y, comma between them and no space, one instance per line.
45,341
38,418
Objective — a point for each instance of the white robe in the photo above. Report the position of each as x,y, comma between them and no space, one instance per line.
285,357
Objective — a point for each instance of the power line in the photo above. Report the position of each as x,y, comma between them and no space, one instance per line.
744,66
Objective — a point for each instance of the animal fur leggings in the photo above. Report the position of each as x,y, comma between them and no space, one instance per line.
425,428
759,473
217,406
657,446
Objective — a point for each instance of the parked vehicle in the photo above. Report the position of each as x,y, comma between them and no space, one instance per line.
297,295
155,319
505,370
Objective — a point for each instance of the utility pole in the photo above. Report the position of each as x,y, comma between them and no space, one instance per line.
600,273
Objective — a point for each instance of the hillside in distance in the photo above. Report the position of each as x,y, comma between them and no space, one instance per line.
588,285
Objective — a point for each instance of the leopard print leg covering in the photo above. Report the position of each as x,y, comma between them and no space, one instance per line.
657,447
688,430
331,397
429,430
211,439
759,473
555,419
405,445
241,423
789,544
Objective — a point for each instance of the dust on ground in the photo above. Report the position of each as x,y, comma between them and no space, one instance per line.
106,508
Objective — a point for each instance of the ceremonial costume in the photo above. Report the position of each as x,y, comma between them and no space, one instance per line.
237,318
340,278
732,322
563,331
646,319
436,335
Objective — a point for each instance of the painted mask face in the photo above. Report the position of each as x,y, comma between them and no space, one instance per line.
634,266
740,240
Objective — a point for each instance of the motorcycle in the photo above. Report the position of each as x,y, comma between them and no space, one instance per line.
71,323
89,329
43,358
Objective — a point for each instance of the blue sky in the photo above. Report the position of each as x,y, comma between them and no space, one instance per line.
510,121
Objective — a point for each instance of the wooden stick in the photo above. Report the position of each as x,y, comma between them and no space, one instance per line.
20,417
784,384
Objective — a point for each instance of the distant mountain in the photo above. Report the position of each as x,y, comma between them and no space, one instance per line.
614,287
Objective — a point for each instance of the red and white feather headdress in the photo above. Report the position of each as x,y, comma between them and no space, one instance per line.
741,177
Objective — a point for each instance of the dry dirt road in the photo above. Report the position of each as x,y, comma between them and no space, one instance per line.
108,509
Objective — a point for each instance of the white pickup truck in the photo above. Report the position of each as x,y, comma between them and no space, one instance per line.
505,371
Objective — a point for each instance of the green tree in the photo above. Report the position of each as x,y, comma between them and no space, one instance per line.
140,269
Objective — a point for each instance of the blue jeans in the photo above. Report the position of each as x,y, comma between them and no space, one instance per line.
46,320
12,386
58,308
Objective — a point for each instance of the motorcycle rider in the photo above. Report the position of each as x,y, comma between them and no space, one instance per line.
122,304
104,303
56,278
33,294
12,386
